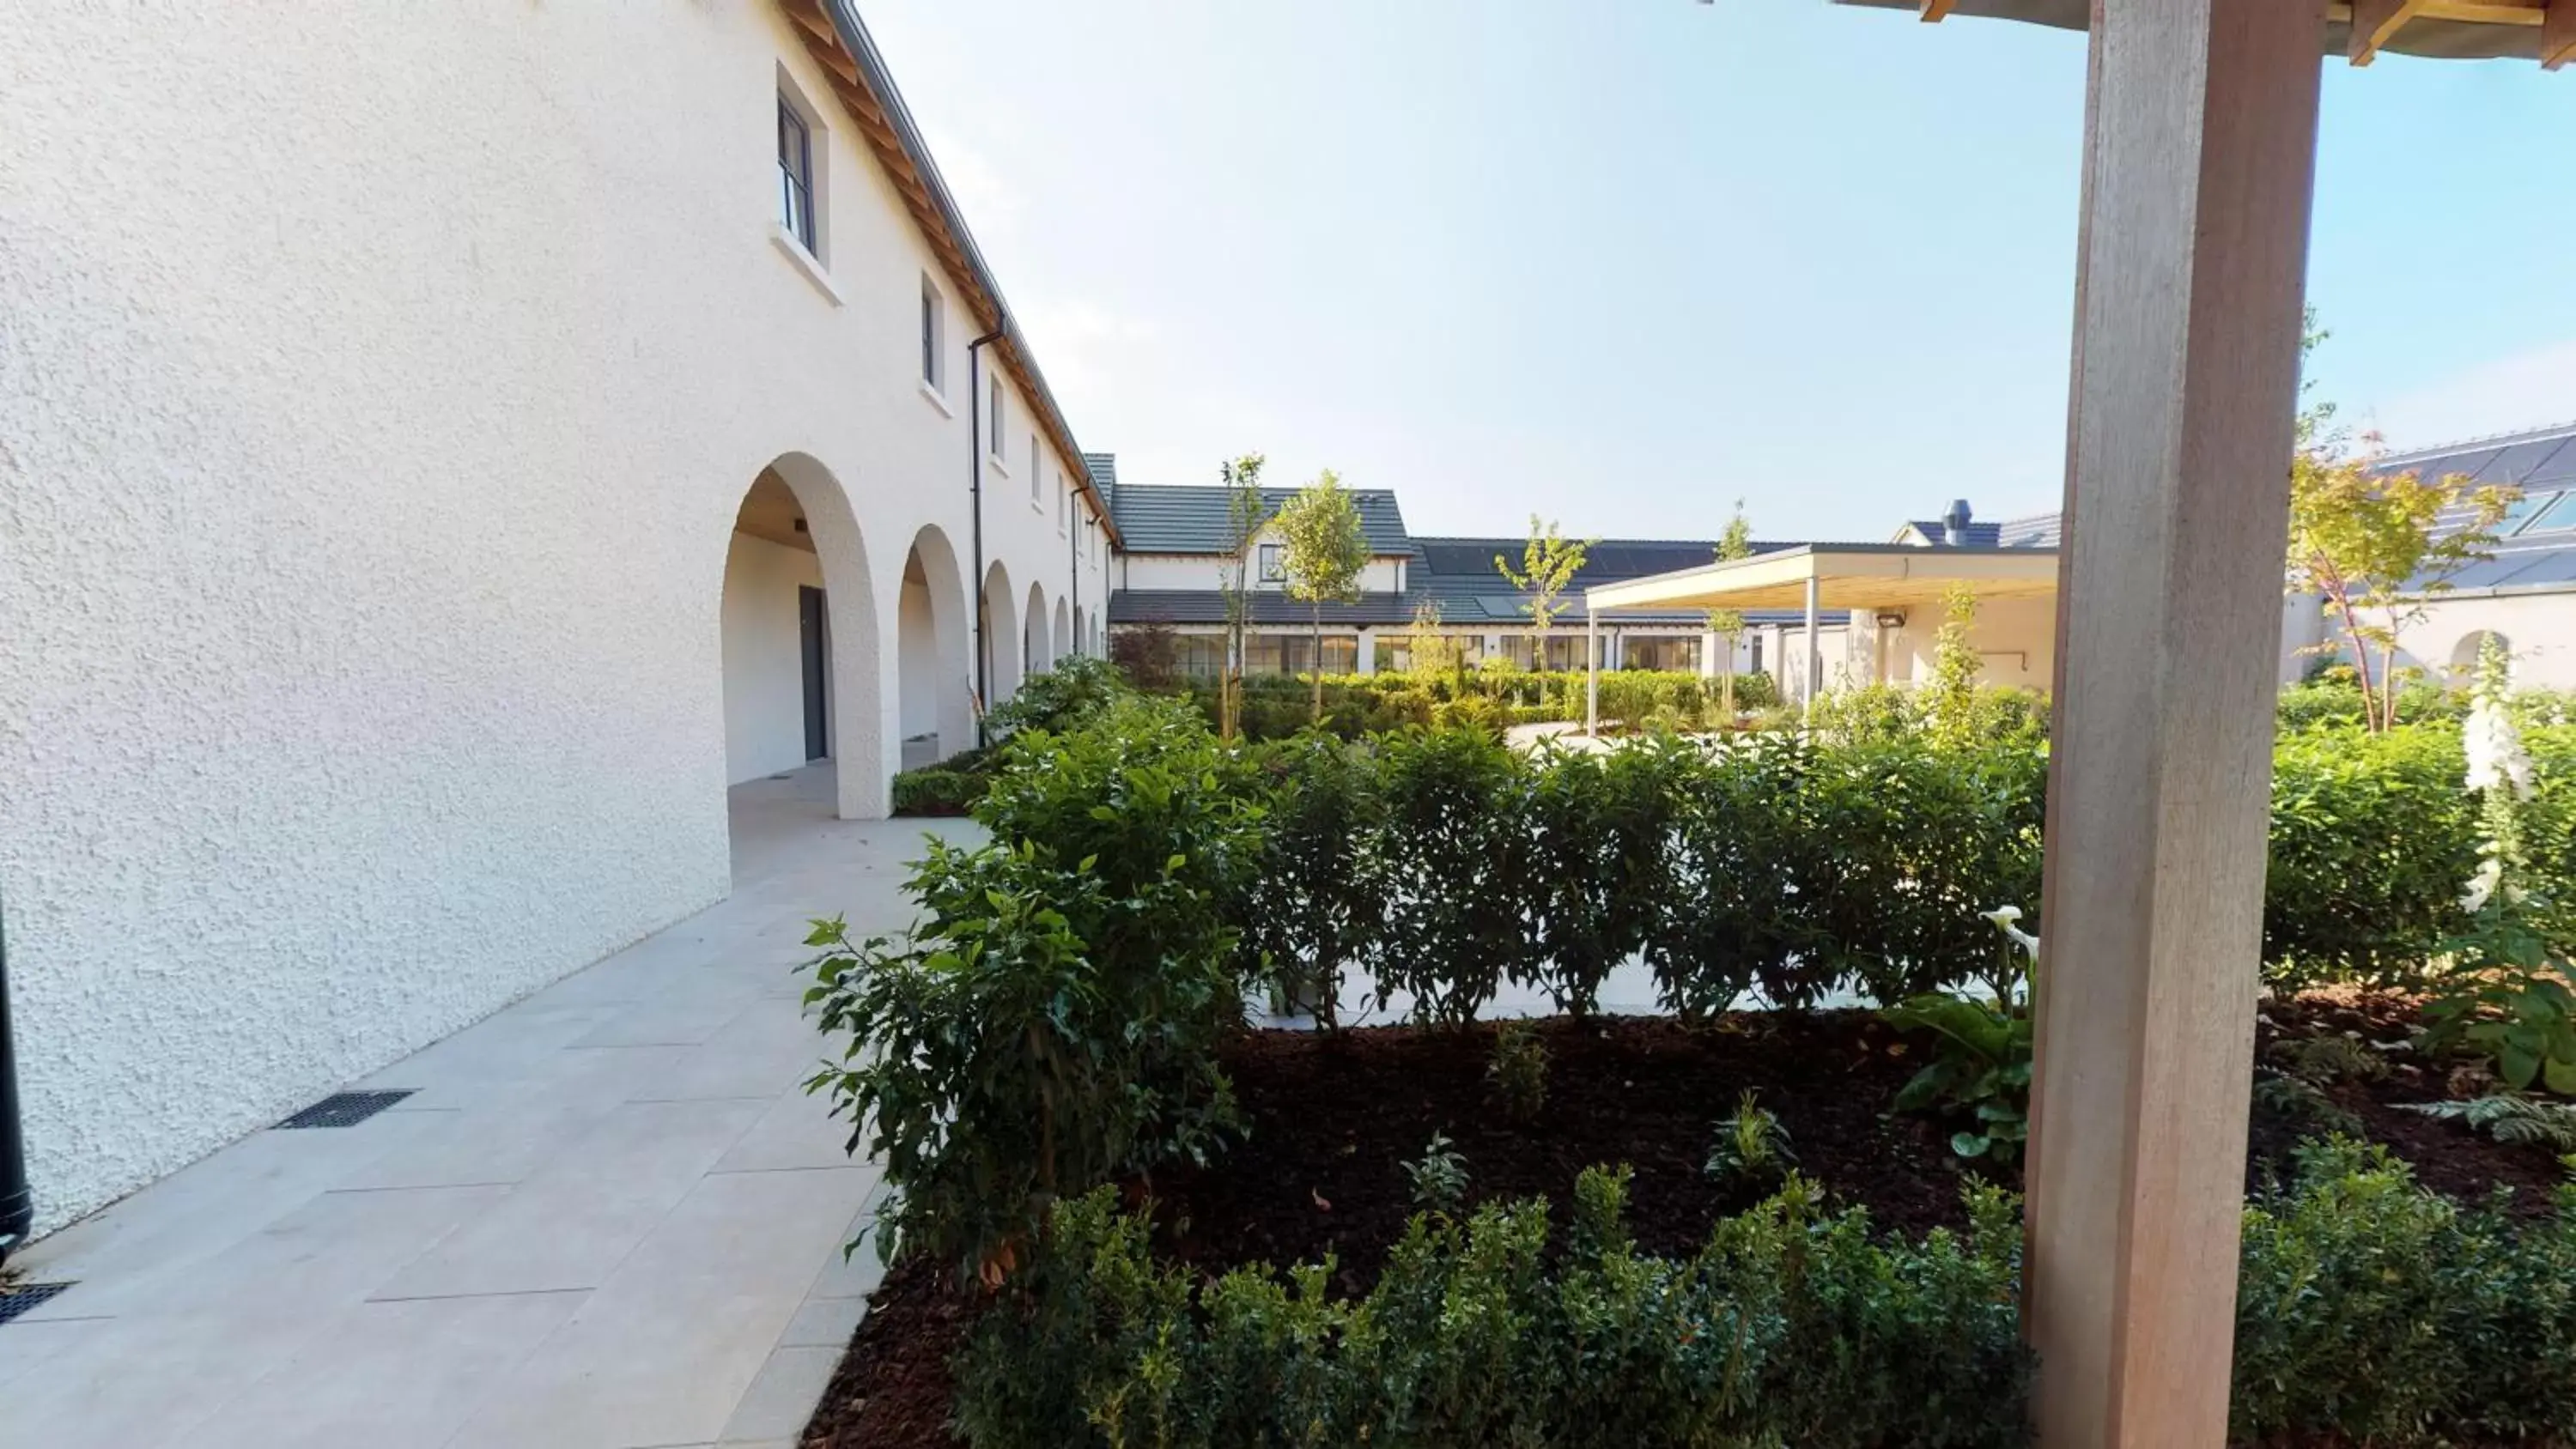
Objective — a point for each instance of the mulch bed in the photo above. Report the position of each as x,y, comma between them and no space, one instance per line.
1333,1118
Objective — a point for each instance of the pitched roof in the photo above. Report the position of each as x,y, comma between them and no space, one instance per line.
1194,518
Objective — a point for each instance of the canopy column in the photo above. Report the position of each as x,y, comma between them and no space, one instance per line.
1591,670
1815,656
2200,157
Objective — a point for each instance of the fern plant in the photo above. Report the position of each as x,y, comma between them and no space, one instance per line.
2510,1118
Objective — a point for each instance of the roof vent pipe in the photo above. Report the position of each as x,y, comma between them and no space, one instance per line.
1956,520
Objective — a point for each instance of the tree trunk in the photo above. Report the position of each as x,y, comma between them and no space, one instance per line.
1319,660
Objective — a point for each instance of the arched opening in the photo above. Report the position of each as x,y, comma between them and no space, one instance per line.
934,709
1003,659
800,652
1034,633
1063,631
2464,655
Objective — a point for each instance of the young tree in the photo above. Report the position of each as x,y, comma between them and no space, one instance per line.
1950,696
2376,548
1728,624
1322,553
1548,564
1428,652
1241,479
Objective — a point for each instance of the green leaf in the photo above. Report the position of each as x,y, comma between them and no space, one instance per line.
1969,1144
2561,1076
2517,1064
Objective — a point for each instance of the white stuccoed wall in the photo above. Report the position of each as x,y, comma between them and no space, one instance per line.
377,389
764,658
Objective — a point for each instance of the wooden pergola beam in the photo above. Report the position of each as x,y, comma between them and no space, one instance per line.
2375,23
2200,158
2558,34
1932,12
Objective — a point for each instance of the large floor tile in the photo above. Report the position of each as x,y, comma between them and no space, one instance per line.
573,1221
390,1375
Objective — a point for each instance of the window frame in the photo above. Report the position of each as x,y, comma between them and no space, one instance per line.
995,420
934,336
799,193
1270,563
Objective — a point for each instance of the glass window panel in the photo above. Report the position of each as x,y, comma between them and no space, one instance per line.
2561,513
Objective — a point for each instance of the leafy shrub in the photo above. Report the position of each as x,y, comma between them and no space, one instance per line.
2325,1060
1318,899
1457,852
1519,1071
2371,841
1793,1326
1051,1022
1751,1147
1057,699
2371,1309
2368,1312
938,790
1598,873
1980,1067
1439,1176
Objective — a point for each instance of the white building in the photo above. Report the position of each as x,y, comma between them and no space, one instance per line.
1176,553
442,447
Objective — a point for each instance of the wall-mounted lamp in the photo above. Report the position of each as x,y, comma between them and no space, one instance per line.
1891,618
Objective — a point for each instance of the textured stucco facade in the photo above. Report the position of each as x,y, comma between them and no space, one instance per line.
378,386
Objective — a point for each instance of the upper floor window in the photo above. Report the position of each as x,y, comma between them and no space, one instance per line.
994,442
1063,504
795,173
934,343
1272,570
1034,472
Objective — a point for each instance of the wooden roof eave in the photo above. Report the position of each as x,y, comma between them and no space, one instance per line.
855,84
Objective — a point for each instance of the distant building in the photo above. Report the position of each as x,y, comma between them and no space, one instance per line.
1171,567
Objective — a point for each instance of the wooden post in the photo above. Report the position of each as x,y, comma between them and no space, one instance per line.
2200,158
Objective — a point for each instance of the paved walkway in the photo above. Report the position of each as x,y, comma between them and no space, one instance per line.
608,1219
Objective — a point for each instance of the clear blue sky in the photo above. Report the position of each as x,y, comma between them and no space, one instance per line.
1622,263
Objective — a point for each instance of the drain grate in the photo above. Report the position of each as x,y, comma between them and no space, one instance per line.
14,1301
345,1109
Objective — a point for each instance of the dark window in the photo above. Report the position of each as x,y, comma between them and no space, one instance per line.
795,175
930,338
996,442
1272,570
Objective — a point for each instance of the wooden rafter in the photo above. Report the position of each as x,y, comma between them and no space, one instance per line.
2558,34
1932,12
2375,23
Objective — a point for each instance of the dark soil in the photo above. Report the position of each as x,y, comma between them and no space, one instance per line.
1334,1118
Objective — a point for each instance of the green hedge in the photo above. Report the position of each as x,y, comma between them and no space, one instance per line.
2367,1309
1794,1325
1355,705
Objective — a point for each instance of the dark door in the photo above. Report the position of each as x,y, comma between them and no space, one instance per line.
817,650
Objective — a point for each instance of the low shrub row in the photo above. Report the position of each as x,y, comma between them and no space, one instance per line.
2368,1310
1490,698
1794,1325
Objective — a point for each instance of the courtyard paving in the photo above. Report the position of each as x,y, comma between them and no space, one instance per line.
609,1217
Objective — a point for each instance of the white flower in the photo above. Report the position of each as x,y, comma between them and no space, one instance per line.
2493,743
2003,917
2482,886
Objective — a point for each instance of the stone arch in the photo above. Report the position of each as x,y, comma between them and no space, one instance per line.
1034,634
1003,663
934,705
2464,654
795,503
1063,631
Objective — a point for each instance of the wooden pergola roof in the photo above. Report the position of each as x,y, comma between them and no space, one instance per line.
2541,30
1847,576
